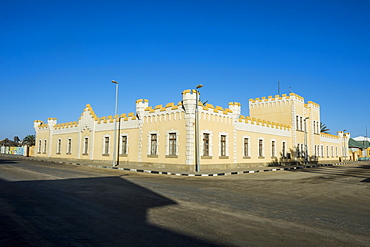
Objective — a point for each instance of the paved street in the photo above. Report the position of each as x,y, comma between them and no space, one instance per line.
48,204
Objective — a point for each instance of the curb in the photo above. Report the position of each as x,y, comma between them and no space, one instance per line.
191,174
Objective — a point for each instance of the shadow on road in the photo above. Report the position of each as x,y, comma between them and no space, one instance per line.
361,171
105,211
6,161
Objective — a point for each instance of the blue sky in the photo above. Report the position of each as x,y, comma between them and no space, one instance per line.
57,56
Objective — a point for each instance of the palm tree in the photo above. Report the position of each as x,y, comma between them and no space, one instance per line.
324,128
29,140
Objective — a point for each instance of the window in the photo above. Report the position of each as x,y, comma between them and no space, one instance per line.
284,150
106,145
336,151
260,148
86,146
69,146
153,144
172,144
298,150
39,150
45,146
327,151
322,151
301,128
317,128
297,122
246,147
223,145
273,153
124,145
205,144
59,146
303,151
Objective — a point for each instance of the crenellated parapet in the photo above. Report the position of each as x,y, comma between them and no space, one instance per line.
276,98
269,99
38,124
66,125
261,122
330,136
313,105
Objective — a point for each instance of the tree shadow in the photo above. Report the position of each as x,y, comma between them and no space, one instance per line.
104,211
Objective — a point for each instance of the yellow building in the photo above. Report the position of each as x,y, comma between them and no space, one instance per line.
279,129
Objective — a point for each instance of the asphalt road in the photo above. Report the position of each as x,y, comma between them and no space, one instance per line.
47,204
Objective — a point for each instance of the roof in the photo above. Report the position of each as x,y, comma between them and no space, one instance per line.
358,144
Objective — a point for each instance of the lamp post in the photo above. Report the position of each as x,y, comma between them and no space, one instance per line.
114,160
344,145
197,153
305,141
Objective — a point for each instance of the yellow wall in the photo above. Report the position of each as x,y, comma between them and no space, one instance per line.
271,119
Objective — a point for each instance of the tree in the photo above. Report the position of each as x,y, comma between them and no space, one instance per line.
29,140
324,128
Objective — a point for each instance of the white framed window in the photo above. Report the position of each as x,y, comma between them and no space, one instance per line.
45,146
59,145
153,143
39,146
106,145
246,146
273,148
223,144
85,150
69,146
206,143
298,150
124,144
297,122
261,151
172,143
303,150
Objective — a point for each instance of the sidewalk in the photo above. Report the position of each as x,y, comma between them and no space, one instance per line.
169,171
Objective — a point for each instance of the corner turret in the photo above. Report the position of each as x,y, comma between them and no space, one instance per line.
235,107
189,98
141,105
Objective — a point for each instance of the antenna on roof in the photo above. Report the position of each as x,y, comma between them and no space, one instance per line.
290,90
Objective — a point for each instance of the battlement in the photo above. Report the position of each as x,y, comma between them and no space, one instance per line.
326,135
269,99
291,96
39,124
313,104
258,121
66,125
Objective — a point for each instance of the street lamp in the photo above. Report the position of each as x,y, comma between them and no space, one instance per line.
114,162
197,153
305,141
